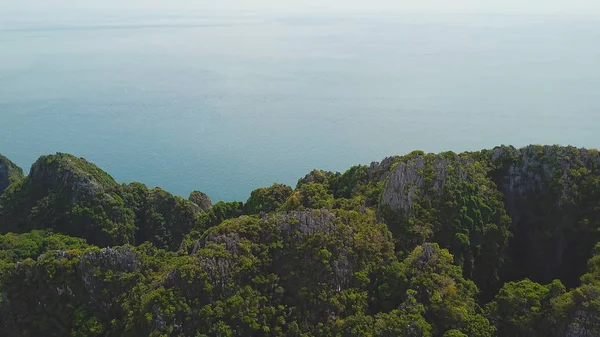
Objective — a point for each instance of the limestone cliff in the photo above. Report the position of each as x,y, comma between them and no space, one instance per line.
551,194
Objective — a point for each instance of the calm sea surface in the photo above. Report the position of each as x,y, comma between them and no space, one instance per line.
228,102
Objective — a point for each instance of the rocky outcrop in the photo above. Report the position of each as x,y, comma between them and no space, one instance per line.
305,222
550,193
421,175
201,200
379,171
315,176
9,172
71,196
71,176
119,260
94,266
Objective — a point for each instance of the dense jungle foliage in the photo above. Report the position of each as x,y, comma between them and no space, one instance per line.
500,242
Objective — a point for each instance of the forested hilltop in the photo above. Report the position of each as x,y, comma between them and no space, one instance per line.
500,242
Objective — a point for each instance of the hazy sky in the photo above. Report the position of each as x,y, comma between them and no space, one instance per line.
569,7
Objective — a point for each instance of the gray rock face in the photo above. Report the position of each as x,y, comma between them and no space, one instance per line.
536,166
8,172
306,222
118,260
201,200
378,171
583,326
408,178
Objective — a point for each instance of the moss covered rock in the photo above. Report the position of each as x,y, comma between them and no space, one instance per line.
201,200
9,173
268,199
69,195
449,199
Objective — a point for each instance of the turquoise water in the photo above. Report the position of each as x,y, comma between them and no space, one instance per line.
229,102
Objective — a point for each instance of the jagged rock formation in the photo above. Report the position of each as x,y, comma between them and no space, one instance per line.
423,177
9,172
201,200
584,324
379,171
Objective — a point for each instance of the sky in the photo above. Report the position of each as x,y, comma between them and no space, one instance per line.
551,7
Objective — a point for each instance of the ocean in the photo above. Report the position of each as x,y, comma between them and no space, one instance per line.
226,102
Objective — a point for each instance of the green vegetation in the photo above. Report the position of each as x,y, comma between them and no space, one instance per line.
501,242
449,199
71,196
268,199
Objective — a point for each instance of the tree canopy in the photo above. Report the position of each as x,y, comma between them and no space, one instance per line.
500,242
